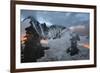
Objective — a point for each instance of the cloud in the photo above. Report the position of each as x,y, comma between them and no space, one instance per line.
80,29
75,20
59,18
77,27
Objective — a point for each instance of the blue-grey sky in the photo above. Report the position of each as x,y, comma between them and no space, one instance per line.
67,19
58,18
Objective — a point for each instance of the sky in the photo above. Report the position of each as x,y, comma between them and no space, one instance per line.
73,20
59,18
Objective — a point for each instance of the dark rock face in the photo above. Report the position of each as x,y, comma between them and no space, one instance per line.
73,49
33,49
44,26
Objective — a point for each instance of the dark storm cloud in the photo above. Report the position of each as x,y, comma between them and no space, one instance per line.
58,18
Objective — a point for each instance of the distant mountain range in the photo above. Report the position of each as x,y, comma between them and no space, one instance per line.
54,31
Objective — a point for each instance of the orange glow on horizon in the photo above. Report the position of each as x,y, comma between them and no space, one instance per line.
86,46
23,39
